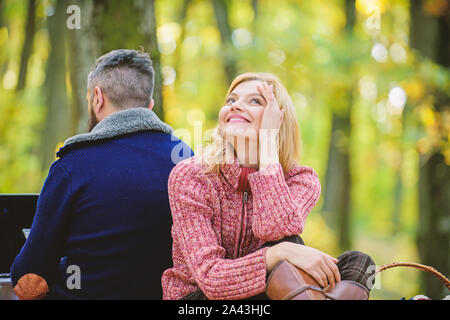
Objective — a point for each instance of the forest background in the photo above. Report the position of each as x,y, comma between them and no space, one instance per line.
369,80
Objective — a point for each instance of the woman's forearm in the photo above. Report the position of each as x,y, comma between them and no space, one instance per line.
240,278
268,146
281,204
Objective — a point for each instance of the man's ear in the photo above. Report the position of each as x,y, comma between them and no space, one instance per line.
99,100
151,104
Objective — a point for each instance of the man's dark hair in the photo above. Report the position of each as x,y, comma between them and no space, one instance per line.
126,77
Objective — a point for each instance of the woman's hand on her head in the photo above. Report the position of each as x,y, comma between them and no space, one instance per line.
273,115
270,126
320,266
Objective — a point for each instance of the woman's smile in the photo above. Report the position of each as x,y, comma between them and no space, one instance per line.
235,118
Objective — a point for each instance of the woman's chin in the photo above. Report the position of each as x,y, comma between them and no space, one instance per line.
240,133
238,126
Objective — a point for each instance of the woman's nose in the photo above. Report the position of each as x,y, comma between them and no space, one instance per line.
237,105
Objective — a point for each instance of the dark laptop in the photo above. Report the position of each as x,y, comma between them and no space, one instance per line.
16,216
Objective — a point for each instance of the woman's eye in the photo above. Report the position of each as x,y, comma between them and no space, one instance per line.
230,100
255,101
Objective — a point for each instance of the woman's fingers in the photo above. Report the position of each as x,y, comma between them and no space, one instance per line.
319,276
321,266
262,92
329,273
273,115
269,93
334,268
266,91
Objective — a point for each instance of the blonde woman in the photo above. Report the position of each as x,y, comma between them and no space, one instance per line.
239,206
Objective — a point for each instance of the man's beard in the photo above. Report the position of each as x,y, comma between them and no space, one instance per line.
93,121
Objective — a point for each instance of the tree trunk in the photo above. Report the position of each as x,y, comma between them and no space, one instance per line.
82,54
398,189
254,26
433,236
182,20
137,29
337,195
2,3
56,124
27,44
429,35
336,204
398,196
228,56
255,8
151,44
3,63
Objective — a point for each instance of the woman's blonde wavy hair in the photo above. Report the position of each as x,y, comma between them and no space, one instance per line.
219,151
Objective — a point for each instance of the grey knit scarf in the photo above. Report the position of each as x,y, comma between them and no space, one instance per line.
123,122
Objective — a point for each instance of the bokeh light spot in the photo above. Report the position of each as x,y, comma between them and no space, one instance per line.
379,52
241,38
277,57
397,100
169,75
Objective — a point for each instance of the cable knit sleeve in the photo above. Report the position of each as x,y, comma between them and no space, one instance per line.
281,204
190,195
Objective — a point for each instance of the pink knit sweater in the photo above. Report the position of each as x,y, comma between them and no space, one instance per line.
218,231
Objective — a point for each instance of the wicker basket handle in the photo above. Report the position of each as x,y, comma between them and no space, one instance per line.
422,267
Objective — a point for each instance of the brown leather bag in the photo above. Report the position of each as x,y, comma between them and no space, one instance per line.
287,282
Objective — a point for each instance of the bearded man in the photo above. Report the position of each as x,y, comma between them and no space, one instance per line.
102,223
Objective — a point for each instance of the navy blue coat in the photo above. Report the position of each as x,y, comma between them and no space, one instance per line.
104,210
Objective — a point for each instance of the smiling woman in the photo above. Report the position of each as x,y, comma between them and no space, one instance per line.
277,138
244,190
235,221
240,120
